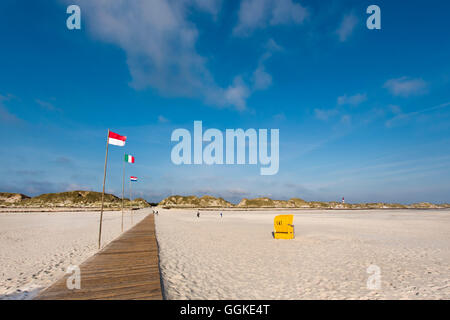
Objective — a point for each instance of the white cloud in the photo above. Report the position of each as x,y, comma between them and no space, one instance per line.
240,90
279,117
406,86
256,14
160,45
346,119
6,116
47,105
346,28
6,98
325,114
395,109
286,12
261,79
406,116
237,93
162,119
210,6
352,100
273,46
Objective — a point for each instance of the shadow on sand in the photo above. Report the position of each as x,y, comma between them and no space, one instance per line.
21,295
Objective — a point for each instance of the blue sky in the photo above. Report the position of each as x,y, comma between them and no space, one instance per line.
362,113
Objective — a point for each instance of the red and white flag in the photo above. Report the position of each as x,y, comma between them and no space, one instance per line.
115,139
133,178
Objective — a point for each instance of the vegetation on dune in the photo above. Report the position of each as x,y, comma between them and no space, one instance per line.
92,199
74,199
264,202
7,198
194,202
256,203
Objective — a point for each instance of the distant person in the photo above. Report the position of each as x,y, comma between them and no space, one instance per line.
198,214
221,214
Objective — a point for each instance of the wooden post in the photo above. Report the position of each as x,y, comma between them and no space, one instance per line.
103,193
123,185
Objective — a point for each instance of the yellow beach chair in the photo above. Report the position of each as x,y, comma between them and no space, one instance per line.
284,227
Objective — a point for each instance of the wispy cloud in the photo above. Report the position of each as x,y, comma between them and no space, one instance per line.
237,93
279,117
342,101
62,160
346,27
346,119
160,44
406,86
162,119
324,115
354,100
6,116
26,172
405,116
273,46
261,79
257,14
395,109
47,105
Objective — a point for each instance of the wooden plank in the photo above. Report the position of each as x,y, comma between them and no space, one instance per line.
127,268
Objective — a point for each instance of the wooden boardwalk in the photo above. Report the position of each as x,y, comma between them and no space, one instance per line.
125,269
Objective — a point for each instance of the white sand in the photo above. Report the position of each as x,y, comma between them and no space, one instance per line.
236,258
37,248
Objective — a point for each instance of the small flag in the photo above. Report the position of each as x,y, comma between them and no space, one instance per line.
116,139
129,158
133,178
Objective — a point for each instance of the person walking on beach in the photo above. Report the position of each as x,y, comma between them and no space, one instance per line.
198,214
221,214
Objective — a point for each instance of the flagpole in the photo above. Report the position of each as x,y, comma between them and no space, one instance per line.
103,193
131,205
123,185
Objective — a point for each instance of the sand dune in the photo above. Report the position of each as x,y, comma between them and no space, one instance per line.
235,257
37,248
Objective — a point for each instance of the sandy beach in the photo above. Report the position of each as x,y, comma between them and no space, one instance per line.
235,257
37,248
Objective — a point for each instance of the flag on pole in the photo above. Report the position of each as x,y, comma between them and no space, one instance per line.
133,178
115,139
129,158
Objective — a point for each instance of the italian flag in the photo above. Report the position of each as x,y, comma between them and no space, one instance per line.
115,139
133,178
129,158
